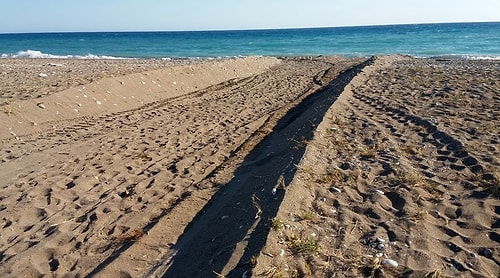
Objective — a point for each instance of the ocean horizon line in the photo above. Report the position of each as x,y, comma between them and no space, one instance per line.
251,29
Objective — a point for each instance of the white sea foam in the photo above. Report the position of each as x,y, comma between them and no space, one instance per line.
40,55
463,57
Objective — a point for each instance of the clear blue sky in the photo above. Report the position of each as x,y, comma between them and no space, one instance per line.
142,15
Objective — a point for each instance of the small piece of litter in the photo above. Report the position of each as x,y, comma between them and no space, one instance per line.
333,188
389,262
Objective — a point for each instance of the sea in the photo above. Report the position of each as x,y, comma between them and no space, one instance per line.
445,40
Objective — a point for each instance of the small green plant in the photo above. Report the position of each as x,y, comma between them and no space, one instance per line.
277,224
306,216
434,274
308,245
409,178
432,187
370,267
273,272
334,175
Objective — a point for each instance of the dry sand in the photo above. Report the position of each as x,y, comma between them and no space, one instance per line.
323,167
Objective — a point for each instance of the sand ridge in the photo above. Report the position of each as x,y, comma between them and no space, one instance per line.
24,113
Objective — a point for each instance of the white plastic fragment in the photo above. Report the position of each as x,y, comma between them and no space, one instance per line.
40,105
379,191
389,263
43,75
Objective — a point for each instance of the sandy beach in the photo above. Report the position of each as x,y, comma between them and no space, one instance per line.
250,167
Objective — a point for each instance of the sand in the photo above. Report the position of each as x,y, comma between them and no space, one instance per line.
265,167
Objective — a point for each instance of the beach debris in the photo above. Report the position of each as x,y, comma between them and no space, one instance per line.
273,191
40,105
389,263
15,135
43,75
257,206
379,191
335,189
133,235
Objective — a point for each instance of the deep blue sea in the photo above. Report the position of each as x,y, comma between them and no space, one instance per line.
459,40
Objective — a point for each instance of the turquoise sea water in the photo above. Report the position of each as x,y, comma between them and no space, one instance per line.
459,40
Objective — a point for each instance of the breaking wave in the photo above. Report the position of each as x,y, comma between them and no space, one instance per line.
40,55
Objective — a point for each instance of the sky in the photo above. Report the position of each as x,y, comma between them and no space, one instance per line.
21,16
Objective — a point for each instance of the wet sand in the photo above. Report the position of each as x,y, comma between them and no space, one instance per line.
149,168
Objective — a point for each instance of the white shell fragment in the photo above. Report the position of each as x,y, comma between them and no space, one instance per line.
389,263
336,189
40,105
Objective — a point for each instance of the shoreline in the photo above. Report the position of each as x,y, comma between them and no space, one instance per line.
37,55
404,163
